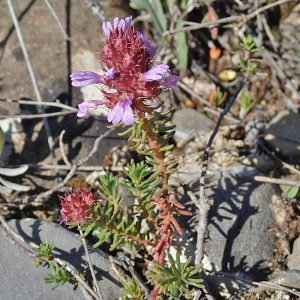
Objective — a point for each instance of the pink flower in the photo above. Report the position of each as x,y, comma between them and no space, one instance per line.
86,106
130,79
77,205
122,112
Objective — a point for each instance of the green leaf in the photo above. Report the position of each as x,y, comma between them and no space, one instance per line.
103,236
155,9
2,140
138,4
181,47
292,191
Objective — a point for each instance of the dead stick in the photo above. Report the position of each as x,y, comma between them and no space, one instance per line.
32,77
232,19
203,203
277,181
88,258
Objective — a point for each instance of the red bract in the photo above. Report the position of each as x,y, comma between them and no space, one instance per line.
77,205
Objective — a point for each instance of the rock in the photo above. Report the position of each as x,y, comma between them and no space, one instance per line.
282,135
293,261
237,233
237,240
21,279
289,279
190,122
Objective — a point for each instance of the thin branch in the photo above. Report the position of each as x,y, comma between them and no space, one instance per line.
62,149
88,258
267,284
203,202
44,103
36,116
96,8
232,19
19,239
32,76
138,279
277,181
43,167
75,166
192,93
204,101
61,27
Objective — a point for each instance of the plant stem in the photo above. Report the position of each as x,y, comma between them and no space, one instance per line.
152,139
88,258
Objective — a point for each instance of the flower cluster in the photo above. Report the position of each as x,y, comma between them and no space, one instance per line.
130,77
76,206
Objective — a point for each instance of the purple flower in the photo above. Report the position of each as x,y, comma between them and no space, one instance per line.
147,44
122,112
86,106
107,28
82,78
169,82
111,74
124,24
157,72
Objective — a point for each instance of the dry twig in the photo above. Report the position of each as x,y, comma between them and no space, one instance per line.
75,166
32,76
61,27
62,149
203,203
233,19
88,258
36,116
277,181
44,103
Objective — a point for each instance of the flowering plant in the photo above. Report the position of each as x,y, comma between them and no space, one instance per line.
131,83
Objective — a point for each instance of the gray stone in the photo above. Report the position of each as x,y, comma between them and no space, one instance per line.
21,279
282,135
290,279
190,122
237,240
293,261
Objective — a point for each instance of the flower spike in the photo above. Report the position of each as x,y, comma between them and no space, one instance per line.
131,77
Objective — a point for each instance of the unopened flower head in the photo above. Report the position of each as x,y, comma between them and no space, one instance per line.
130,76
76,206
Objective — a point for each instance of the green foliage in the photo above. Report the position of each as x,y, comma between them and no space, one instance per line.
163,135
183,4
181,48
155,9
58,276
219,97
44,252
248,65
178,278
291,191
142,181
246,102
109,186
249,45
113,223
132,291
